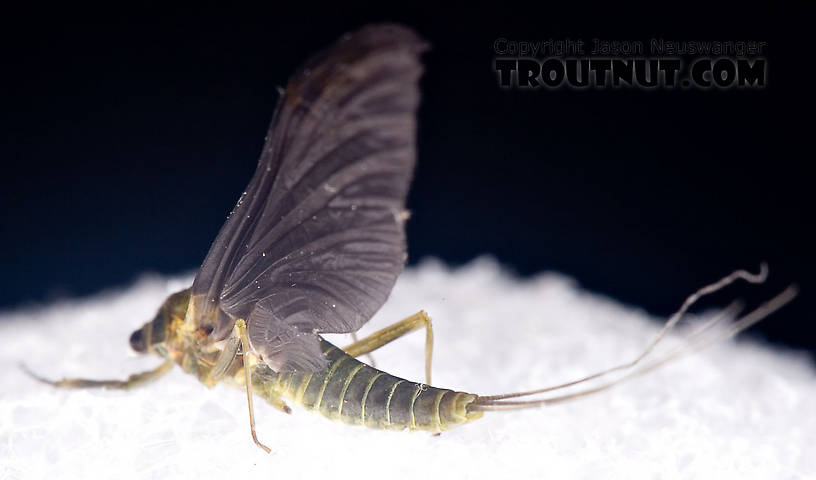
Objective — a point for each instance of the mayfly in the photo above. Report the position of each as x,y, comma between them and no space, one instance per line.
315,244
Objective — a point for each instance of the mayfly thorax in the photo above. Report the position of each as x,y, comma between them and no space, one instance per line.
315,244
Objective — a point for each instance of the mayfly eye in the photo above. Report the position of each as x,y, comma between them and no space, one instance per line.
137,342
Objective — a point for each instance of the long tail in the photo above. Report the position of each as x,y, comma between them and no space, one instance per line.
705,336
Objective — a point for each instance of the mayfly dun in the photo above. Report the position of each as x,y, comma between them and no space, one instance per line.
315,244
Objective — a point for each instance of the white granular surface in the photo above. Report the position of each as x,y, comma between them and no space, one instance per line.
739,410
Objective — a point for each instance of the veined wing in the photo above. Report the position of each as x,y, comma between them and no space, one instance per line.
317,240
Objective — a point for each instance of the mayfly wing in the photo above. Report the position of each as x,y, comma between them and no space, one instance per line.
317,240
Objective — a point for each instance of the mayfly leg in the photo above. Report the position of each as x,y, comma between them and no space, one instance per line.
239,332
224,360
395,331
369,356
132,381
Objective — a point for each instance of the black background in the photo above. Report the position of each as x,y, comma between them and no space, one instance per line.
128,135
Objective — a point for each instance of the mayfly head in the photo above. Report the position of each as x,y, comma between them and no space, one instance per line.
160,334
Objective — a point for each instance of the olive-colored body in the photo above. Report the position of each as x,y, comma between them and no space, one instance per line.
355,393
347,390
352,392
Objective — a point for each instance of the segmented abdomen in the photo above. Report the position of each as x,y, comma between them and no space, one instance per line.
355,393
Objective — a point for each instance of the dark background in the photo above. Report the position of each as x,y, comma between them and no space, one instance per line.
128,135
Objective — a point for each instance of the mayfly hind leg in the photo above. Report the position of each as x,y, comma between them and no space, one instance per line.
395,331
369,356
132,381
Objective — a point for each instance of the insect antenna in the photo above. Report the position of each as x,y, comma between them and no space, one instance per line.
697,341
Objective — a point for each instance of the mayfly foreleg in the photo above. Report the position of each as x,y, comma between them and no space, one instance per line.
239,332
395,331
132,381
